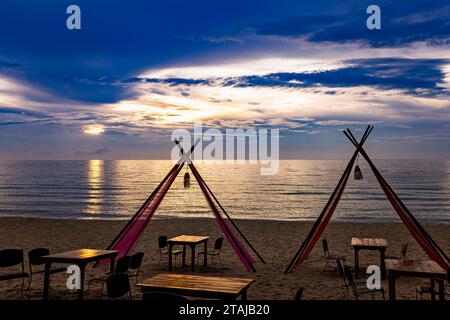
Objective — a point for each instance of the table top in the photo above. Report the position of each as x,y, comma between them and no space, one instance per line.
80,255
369,242
425,268
188,239
187,284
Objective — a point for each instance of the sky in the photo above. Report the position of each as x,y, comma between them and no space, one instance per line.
139,69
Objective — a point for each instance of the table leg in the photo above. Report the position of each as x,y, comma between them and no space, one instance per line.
193,258
48,266
433,286
356,262
205,261
184,256
382,264
391,280
170,257
82,271
441,290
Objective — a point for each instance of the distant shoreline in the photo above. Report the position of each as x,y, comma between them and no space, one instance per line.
164,218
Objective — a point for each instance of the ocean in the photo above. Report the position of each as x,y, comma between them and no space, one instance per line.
115,189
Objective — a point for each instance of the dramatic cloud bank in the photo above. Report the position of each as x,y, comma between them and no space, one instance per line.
117,89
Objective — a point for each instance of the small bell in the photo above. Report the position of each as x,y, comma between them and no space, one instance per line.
187,180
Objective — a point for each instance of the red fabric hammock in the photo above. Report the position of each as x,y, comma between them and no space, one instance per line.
326,218
242,253
406,217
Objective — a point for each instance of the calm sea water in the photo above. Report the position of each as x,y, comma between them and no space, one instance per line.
116,189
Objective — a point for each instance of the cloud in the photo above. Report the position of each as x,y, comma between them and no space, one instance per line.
401,24
416,76
422,77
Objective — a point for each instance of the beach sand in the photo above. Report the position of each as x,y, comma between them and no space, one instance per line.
276,241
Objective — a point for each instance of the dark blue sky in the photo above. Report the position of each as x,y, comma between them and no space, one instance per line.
138,69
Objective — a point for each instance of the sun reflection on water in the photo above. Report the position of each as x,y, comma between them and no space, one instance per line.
95,183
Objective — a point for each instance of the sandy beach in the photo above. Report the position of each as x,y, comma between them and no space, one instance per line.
276,241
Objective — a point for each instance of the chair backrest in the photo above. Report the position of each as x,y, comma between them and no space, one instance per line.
122,265
162,241
299,294
218,244
11,257
117,285
136,260
35,256
162,296
403,252
325,247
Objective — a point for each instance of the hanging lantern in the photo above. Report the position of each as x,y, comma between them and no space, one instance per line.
187,180
358,173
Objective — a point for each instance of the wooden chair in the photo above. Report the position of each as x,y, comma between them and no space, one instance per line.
35,259
12,258
329,257
164,249
118,285
402,253
218,244
359,289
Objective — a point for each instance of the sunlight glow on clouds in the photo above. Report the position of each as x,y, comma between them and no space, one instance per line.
446,83
244,68
253,91
94,130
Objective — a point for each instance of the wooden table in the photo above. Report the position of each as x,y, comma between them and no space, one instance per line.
223,288
192,242
79,257
376,244
415,268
